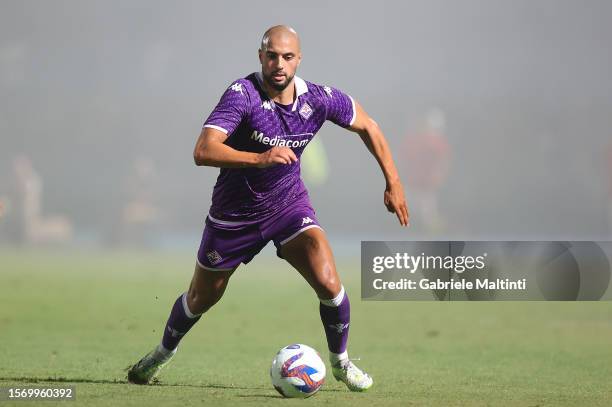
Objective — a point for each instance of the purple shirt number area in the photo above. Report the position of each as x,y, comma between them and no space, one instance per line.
255,123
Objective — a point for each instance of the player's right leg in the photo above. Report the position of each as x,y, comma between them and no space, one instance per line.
224,246
206,289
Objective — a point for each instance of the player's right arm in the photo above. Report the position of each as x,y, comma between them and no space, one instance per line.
232,109
211,151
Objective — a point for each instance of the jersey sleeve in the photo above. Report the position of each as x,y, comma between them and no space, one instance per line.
230,110
340,107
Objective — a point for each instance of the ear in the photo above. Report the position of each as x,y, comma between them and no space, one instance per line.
299,59
260,53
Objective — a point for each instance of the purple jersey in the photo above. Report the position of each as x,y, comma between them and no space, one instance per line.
254,123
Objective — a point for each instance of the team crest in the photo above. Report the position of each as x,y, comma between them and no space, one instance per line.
175,333
306,111
339,327
213,257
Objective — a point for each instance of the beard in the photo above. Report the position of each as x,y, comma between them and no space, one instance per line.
276,85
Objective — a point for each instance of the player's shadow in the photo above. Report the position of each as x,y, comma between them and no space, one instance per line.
31,380
260,396
25,379
278,396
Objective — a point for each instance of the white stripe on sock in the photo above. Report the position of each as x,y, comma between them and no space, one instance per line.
186,308
336,301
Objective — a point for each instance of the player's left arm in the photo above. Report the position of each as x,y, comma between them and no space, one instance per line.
375,141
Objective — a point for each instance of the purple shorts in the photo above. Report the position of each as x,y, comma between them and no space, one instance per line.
227,244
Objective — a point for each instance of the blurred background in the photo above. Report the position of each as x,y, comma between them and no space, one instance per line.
497,112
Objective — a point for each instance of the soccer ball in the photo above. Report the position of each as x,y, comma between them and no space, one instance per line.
297,371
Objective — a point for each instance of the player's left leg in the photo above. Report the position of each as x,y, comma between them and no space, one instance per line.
309,253
206,289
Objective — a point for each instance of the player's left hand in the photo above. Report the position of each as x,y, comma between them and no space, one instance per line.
395,201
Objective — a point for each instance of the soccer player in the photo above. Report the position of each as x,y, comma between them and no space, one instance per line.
256,135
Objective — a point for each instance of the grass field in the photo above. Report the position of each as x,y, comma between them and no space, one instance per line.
82,318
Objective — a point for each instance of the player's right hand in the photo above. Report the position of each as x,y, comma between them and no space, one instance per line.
276,155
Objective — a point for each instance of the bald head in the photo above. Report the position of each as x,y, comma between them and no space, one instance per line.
280,55
279,34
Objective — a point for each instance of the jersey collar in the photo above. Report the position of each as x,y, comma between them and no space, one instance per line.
300,88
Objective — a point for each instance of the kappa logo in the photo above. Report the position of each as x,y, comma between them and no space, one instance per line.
306,111
306,220
214,257
266,105
339,327
237,87
328,90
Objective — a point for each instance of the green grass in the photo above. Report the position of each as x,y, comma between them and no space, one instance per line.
82,318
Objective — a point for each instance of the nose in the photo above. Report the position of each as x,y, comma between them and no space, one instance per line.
279,62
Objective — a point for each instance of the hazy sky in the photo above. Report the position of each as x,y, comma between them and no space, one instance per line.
86,87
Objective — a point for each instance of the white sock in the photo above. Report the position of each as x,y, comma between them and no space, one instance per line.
165,353
338,358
